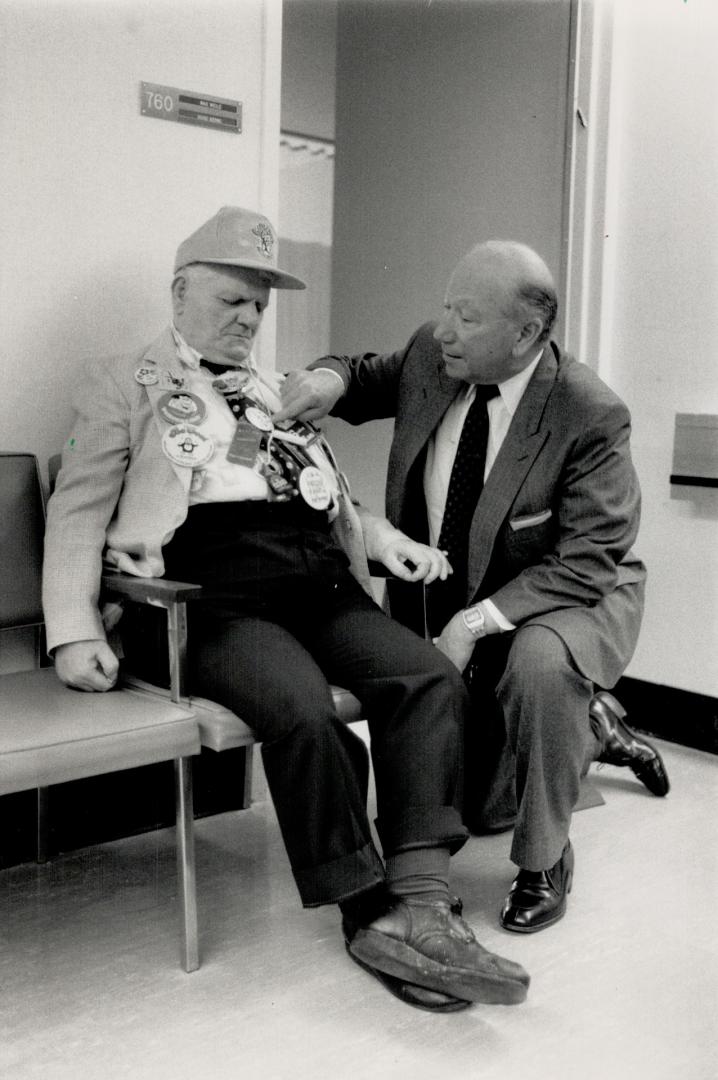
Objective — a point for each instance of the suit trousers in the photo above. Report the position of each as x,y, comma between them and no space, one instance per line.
281,618
528,742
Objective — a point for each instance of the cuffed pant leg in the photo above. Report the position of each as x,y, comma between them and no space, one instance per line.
415,702
317,769
545,704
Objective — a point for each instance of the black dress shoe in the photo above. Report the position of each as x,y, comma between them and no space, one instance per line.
537,898
622,746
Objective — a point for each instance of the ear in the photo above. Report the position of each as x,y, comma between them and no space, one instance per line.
179,292
528,335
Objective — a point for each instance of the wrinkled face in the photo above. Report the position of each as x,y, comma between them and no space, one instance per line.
218,310
482,331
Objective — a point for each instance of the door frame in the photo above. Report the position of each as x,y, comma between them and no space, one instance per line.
586,240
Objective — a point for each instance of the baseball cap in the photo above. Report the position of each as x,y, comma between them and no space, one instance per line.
237,237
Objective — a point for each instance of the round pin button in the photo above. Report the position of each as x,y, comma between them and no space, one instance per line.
186,445
146,376
182,406
314,488
230,382
258,418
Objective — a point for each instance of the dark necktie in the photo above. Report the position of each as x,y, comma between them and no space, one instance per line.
465,484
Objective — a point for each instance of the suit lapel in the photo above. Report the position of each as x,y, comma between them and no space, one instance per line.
430,400
162,355
526,435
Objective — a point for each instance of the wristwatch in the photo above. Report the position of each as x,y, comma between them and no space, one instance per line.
474,620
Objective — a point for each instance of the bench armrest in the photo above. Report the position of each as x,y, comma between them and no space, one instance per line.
173,597
144,590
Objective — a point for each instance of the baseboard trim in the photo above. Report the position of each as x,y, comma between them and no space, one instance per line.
679,716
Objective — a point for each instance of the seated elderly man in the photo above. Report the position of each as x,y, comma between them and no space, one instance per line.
175,465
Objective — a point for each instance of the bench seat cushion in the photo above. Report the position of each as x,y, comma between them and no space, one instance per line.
50,734
221,729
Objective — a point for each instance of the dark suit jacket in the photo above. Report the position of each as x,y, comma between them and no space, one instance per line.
552,532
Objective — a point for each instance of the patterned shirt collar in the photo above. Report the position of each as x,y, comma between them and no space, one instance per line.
192,359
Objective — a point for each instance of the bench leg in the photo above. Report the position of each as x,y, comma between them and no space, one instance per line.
259,790
43,823
248,777
186,863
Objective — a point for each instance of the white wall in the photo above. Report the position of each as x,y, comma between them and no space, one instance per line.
96,196
306,195
661,317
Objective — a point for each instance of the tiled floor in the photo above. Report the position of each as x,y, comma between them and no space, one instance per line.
626,986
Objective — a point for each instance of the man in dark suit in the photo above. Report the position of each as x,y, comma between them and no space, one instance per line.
515,459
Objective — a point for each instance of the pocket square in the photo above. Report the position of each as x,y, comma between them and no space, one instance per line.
530,519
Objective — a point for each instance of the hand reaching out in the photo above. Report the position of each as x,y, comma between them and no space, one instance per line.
309,395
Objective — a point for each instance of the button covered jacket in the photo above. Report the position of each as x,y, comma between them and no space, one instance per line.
118,499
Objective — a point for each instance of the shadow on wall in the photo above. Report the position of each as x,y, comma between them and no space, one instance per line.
303,317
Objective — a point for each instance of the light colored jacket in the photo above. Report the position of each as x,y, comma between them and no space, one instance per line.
118,499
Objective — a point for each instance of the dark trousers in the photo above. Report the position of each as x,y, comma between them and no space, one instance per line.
281,617
528,742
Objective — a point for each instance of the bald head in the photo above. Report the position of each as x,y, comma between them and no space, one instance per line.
499,309
523,277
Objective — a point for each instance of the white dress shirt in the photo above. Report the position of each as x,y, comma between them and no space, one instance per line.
441,450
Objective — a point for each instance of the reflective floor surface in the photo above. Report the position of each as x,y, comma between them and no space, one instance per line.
625,986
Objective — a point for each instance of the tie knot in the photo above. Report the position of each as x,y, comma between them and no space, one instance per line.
485,393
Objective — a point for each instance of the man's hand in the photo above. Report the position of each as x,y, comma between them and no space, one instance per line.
309,395
429,563
86,665
456,642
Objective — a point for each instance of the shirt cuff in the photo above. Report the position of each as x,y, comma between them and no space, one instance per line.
496,615
333,372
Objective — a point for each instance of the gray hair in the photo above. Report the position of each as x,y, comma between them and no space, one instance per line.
542,302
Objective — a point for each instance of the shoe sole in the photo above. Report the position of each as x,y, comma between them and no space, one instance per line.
655,782
536,928
393,957
397,988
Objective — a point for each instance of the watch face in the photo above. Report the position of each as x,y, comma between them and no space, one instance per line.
474,620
